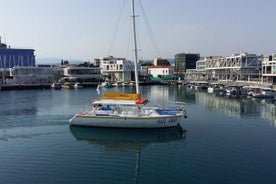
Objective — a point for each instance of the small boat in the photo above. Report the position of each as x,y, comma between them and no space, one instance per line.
117,84
261,93
77,85
235,90
214,88
106,84
202,85
164,82
68,85
129,110
56,85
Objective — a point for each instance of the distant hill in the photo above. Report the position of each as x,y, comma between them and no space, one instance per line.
56,61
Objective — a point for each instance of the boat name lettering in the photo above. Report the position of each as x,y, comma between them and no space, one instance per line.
171,120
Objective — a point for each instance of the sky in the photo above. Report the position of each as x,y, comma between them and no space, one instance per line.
88,29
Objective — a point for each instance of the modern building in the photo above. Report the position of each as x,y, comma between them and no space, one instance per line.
269,69
11,57
184,61
241,66
198,74
200,65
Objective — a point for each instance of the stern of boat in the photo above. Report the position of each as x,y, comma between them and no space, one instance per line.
71,121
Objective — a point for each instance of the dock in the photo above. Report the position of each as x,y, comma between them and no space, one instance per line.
24,86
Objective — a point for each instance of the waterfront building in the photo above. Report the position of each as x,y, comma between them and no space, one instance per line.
161,72
241,66
32,75
192,75
120,70
143,73
11,57
87,76
117,69
184,61
200,65
269,69
198,74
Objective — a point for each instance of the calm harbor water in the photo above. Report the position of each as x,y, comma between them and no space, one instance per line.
223,140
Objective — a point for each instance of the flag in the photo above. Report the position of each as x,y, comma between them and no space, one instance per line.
98,89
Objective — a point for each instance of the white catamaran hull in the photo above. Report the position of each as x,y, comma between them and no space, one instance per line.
126,122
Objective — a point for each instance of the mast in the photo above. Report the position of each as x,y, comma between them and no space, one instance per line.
135,47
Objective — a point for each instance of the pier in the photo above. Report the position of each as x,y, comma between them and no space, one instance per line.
24,86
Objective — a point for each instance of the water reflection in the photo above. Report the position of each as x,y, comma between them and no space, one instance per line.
16,103
240,107
126,139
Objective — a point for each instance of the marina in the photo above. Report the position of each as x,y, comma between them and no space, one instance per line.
223,138
185,118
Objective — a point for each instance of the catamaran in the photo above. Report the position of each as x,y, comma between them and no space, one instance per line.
127,110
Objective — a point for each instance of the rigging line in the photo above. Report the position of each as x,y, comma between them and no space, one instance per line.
129,42
151,35
116,29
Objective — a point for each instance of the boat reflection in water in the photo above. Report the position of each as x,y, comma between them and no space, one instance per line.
127,140
124,136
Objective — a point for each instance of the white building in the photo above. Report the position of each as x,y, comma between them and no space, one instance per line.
200,65
120,69
161,71
269,69
117,69
242,66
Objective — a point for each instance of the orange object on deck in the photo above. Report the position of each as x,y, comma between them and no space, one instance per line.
121,96
142,101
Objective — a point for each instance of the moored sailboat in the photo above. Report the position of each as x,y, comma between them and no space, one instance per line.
129,110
